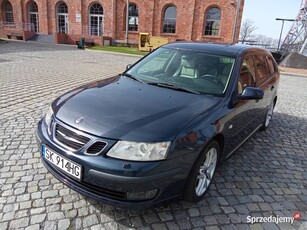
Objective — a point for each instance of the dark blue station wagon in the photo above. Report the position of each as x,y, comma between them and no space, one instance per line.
158,131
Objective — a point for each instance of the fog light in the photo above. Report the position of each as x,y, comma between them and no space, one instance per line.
142,195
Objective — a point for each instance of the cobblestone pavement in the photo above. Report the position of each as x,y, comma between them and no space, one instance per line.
266,176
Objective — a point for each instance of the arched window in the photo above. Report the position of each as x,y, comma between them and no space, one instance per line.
62,8
33,7
96,8
212,23
62,17
33,16
133,17
8,12
169,20
96,19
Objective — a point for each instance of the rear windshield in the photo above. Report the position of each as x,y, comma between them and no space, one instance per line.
194,70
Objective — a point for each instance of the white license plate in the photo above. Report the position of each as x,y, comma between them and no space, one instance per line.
63,163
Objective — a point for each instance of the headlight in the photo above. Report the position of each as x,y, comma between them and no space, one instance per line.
48,117
136,151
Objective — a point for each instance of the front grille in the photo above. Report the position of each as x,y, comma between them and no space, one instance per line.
96,148
70,138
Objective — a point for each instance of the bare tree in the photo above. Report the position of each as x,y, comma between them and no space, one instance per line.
247,30
266,42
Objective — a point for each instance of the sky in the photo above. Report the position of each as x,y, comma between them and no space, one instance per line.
264,13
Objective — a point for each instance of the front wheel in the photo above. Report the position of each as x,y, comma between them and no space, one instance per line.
268,117
202,173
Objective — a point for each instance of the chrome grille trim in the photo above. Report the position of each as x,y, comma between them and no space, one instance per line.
85,145
68,137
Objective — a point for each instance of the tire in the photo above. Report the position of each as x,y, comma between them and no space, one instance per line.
202,173
268,117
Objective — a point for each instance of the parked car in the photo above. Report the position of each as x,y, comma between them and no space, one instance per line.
158,131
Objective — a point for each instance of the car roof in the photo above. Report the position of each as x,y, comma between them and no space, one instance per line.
213,48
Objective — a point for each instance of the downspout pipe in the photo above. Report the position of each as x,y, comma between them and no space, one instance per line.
127,23
236,21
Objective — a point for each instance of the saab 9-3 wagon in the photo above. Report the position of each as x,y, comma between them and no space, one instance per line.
158,131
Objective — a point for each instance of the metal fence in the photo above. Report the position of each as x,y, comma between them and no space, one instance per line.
92,30
28,27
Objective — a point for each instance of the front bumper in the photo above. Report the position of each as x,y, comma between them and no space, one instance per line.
109,181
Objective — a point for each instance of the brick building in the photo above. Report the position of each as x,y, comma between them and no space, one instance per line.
67,21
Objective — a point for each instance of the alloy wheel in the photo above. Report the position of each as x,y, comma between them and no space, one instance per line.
269,115
206,172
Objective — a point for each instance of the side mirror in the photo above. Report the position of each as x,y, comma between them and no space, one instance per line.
128,66
251,93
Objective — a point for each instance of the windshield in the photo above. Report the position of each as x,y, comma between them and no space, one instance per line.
187,69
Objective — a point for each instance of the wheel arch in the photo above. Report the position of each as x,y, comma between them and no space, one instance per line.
220,140
275,100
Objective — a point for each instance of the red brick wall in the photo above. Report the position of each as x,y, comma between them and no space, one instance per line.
184,21
228,12
145,18
190,17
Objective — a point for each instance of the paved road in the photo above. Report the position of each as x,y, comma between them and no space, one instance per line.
267,176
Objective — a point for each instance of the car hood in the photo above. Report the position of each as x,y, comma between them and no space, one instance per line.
124,109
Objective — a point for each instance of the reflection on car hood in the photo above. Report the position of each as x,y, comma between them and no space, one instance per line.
124,109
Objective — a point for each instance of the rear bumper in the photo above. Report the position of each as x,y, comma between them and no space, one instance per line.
157,181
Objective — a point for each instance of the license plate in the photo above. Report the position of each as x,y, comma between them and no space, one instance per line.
68,166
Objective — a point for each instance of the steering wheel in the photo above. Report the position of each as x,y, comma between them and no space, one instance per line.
212,79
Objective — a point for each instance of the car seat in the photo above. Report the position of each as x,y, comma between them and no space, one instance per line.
187,68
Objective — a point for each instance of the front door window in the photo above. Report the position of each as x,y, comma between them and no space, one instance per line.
247,74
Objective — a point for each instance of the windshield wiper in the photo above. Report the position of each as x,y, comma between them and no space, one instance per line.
132,77
171,86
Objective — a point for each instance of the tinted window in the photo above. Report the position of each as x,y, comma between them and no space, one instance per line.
247,74
262,72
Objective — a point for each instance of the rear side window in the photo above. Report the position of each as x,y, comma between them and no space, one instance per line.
262,72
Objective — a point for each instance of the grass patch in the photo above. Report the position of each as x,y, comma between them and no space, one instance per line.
119,49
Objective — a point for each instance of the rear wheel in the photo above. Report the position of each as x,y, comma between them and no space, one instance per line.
202,173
